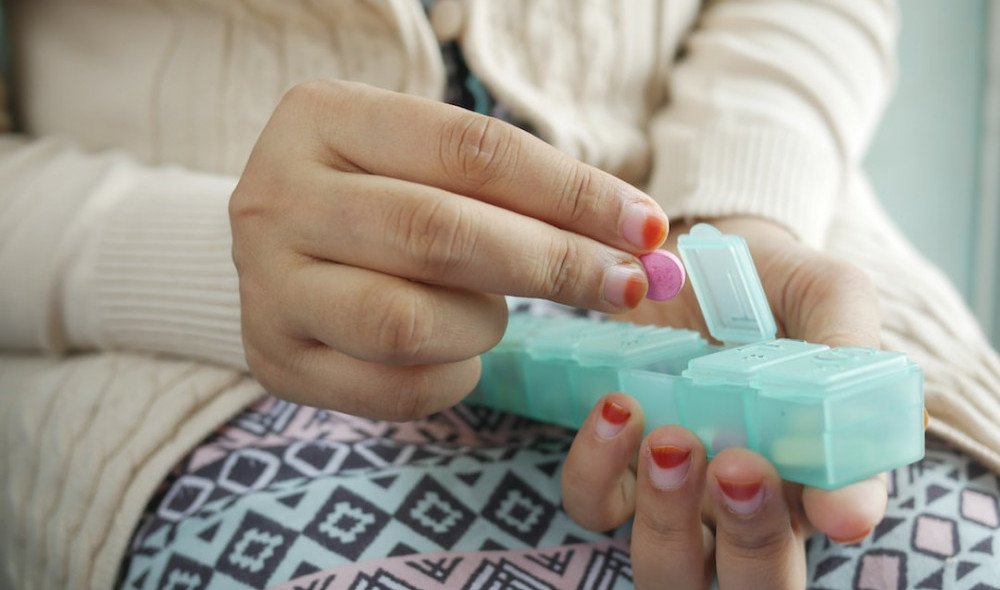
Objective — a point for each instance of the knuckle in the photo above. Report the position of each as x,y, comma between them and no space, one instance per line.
439,235
853,278
767,544
404,329
477,149
268,373
559,279
315,94
575,200
413,399
668,536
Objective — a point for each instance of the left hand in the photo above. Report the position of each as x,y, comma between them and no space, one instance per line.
734,516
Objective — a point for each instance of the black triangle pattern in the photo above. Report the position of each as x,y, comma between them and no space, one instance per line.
984,546
828,565
908,503
401,549
208,534
549,468
470,478
292,500
886,526
491,545
974,470
934,581
304,569
385,482
935,492
964,567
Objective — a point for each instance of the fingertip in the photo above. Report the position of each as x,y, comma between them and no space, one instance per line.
741,481
671,454
613,414
597,485
625,286
643,224
848,514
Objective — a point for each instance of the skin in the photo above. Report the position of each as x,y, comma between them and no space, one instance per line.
375,234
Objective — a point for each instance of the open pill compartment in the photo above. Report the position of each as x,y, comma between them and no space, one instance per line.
825,417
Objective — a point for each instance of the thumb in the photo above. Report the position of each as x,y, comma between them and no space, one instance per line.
827,300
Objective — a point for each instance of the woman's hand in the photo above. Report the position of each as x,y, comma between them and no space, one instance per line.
735,516
374,232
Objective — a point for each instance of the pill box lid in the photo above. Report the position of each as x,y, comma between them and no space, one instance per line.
523,327
833,368
561,342
727,286
636,345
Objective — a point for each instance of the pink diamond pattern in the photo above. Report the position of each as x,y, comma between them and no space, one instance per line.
980,507
936,536
881,571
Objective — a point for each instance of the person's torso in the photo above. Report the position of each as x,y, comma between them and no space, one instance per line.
193,82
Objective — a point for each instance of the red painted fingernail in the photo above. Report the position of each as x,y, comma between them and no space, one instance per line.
852,541
669,466
612,419
624,285
742,497
642,226
654,231
635,291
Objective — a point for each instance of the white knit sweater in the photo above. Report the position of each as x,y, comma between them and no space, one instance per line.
135,119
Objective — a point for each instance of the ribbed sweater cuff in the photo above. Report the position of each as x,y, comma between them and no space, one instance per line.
725,169
158,275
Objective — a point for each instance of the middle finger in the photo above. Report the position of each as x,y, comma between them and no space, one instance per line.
668,538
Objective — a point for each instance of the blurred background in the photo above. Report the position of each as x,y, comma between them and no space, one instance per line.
935,162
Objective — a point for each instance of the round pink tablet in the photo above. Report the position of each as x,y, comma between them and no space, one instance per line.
666,274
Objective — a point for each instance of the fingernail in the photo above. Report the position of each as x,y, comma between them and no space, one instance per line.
642,226
612,419
852,541
742,498
669,467
624,285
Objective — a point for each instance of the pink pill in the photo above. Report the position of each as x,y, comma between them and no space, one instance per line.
666,274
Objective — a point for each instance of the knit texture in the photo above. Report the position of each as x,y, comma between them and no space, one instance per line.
760,108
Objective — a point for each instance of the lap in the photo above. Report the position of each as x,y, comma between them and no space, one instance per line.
286,493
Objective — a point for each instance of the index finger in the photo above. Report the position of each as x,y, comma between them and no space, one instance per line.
432,143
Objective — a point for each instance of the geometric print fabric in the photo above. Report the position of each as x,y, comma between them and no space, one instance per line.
256,506
941,531
293,494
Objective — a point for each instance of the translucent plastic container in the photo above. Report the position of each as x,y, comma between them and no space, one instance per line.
840,415
549,363
825,417
604,359
716,399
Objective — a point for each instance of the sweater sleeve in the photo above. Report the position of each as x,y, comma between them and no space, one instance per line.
771,103
99,251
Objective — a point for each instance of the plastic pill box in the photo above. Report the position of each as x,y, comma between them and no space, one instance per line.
823,416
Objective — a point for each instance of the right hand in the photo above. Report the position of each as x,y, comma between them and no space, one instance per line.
374,234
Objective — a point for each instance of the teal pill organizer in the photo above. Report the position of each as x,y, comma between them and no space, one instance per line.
823,416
